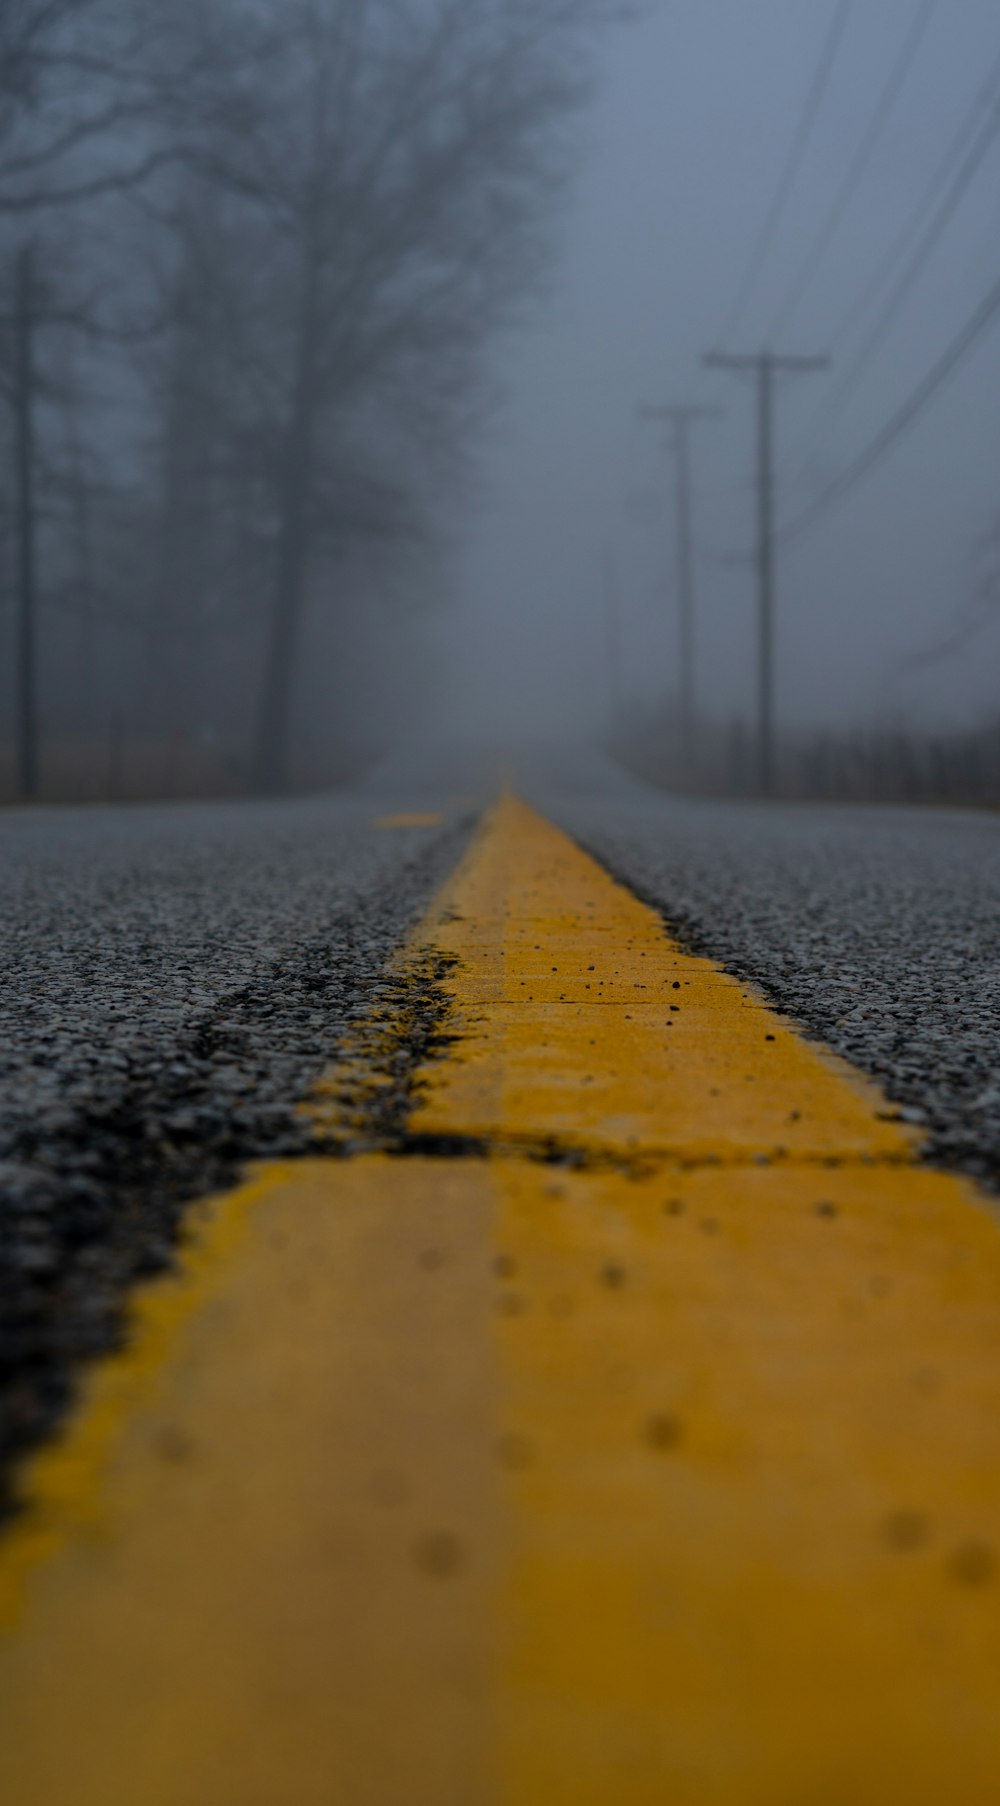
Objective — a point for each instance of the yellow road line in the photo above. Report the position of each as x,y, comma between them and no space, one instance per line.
581,1020
671,1474
271,1584
423,819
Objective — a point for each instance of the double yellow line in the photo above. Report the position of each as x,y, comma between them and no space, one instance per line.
627,1433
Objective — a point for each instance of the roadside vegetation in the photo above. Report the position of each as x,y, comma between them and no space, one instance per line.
960,767
253,255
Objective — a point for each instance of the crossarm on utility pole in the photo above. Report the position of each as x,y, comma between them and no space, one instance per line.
724,360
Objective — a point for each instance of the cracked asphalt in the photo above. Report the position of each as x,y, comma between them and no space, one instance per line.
174,978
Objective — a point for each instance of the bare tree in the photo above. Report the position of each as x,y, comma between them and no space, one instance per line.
396,177
102,104
273,239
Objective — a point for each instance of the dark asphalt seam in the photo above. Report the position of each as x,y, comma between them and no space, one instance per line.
95,1200
383,1078
379,1080
587,1157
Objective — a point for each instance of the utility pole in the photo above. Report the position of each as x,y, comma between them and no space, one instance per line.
24,459
682,419
765,366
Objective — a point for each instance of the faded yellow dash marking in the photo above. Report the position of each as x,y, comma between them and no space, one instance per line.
580,1018
273,1525
422,820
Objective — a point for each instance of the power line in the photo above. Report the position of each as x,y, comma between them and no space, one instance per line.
902,421
985,97
969,625
789,174
964,155
978,614
955,156
858,169
914,268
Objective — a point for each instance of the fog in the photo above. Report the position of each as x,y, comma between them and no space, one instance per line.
327,330
695,117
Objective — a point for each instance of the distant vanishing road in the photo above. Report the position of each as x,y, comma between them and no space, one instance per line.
174,977
582,1386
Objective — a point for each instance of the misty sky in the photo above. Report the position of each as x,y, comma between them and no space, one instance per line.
695,118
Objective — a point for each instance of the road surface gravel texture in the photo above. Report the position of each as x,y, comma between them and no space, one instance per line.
175,977
877,929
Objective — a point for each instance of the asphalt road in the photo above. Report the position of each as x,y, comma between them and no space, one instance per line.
175,977
876,929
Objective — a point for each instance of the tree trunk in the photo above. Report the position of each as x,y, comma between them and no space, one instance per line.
86,713
271,753
179,682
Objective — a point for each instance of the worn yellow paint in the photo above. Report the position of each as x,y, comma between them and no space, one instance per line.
271,1584
667,1477
755,1355
754,1558
424,819
581,1020
66,1479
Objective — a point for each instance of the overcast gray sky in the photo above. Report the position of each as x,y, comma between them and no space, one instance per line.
696,114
